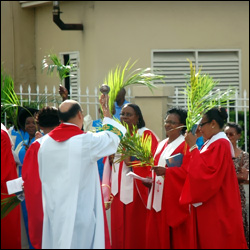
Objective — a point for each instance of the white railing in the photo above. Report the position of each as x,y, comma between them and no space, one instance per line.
90,102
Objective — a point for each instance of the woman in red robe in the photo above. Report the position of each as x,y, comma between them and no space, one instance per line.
211,187
11,224
168,222
128,209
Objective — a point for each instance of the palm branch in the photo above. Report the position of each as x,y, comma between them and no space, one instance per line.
9,100
200,97
132,144
8,204
53,62
120,78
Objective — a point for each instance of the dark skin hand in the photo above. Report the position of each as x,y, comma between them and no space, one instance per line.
159,171
63,92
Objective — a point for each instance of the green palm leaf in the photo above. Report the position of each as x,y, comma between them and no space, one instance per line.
8,204
137,146
53,62
120,78
9,99
200,97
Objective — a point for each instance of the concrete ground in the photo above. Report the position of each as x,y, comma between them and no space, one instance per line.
246,187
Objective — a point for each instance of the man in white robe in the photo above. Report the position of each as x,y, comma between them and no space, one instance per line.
72,199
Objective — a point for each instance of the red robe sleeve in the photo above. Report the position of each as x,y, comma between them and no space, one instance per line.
11,224
33,194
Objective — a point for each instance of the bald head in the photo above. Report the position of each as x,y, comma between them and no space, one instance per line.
66,105
68,110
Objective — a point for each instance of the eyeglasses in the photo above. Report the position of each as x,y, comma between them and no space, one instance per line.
126,114
171,122
230,134
202,124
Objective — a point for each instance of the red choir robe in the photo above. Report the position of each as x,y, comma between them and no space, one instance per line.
33,195
11,224
128,222
33,189
170,228
212,181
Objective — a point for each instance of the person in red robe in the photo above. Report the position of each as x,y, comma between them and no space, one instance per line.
211,187
128,208
11,224
47,119
168,222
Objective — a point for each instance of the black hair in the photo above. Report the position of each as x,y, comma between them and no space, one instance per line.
218,114
48,117
182,114
71,113
23,114
121,94
141,122
236,126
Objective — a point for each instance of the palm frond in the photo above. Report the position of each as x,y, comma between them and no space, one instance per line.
120,78
8,204
200,97
137,146
53,62
9,99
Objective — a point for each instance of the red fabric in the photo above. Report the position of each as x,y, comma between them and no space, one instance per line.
11,224
63,132
171,225
212,180
33,188
128,222
33,195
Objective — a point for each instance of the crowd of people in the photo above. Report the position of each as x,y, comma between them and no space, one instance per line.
197,203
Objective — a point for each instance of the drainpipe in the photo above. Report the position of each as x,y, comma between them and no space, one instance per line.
60,23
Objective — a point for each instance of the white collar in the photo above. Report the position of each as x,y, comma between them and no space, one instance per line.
220,135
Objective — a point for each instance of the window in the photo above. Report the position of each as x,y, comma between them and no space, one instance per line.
222,65
72,83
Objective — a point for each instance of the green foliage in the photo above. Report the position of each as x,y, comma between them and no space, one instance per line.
9,99
8,204
200,97
137,146
53,62
120,78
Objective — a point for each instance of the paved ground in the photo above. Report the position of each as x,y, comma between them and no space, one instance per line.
247,196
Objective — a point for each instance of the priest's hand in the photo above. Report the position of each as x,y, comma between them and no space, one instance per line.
104,100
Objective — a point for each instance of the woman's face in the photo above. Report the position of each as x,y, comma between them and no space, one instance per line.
205,128
30,126
129,116
232,135
171,123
